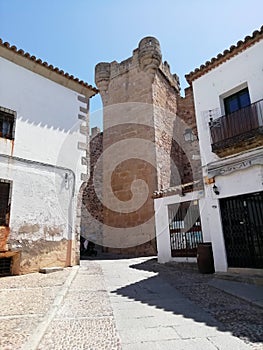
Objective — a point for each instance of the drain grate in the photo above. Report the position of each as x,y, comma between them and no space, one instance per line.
5,266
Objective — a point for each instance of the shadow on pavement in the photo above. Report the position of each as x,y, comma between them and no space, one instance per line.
187,293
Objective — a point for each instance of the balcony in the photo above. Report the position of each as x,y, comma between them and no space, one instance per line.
238,131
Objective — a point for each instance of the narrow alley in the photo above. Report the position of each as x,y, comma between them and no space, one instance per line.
126,304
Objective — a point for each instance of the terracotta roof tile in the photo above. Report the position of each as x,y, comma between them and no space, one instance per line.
48,66
226,55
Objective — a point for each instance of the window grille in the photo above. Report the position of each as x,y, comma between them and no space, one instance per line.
7,123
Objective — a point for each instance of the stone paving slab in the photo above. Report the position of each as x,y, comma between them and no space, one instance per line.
90,268
37,300
34,280
174,344
131,335
88,283
194,314
14,332
68,309
84,319
221,342
85,304
24,301
227,342
80,334
196,330
249,292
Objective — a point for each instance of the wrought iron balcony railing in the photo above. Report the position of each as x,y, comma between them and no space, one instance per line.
237,126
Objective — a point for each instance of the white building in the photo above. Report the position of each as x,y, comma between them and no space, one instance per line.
43,162
229,90
228,97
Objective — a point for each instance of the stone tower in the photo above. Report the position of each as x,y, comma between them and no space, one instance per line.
140,104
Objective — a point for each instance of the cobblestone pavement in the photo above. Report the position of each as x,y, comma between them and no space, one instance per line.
85,318
124,304
24,302
69,309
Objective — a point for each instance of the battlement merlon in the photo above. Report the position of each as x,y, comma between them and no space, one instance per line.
147,57
172,78
102,75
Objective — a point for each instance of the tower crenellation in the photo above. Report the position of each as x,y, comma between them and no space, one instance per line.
102,75
149,54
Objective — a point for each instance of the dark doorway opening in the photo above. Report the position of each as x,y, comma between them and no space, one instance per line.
5,266
4,203
242,219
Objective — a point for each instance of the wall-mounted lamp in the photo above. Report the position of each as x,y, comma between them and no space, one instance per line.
216,190
189,136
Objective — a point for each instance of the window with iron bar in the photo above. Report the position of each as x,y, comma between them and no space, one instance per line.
7,123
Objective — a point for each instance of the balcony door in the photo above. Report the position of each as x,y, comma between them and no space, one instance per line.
237,101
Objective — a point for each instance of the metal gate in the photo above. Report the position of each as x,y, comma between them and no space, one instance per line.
242,219
185,228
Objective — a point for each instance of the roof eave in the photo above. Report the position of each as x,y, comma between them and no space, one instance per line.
225,56
35,65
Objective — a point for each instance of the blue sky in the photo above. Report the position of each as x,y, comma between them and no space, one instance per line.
77,34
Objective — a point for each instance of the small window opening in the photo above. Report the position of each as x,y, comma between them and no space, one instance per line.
7,123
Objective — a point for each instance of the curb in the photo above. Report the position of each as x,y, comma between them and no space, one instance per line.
35,338
239,296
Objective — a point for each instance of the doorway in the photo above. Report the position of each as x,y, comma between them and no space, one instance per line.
242,220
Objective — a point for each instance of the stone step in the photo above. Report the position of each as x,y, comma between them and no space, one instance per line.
50,269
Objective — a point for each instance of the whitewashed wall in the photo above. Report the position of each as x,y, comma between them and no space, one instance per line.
47,131
47,115
243,70
162,225
40,201
240,182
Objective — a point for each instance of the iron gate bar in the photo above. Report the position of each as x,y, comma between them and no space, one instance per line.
185,229
242,219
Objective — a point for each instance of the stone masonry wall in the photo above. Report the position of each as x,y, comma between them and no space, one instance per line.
165,96
41,254
129,134
145,119
92,211
190,163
